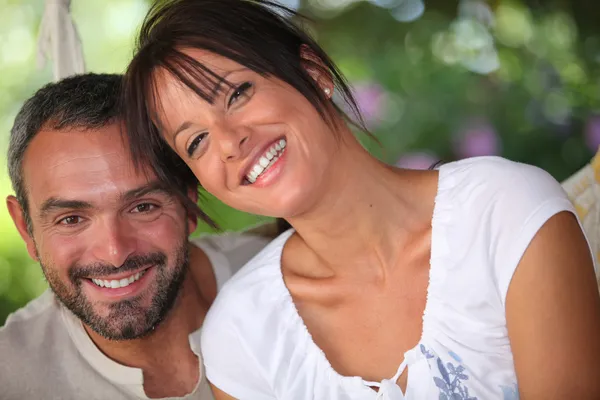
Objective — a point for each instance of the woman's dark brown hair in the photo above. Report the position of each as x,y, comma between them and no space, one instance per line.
258,34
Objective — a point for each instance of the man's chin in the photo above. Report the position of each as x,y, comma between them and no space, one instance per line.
125,329
125,321
134,318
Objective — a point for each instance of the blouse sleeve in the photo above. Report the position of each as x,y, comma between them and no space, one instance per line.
228,361
527,197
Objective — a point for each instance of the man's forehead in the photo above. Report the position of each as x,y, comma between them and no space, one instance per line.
80,164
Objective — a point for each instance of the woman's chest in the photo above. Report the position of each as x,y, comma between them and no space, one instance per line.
448,350
433,371
367,333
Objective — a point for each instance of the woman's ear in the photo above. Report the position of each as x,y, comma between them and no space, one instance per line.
316,68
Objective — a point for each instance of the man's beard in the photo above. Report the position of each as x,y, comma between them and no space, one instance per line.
127,319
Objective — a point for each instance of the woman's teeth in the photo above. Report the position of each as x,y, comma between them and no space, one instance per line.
265,162
119,283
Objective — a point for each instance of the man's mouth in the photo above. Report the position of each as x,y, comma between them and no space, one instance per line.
266,160
119,283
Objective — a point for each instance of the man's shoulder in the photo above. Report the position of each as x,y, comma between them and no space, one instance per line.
29,334
229,251
233,242
33,309
25,323
40,360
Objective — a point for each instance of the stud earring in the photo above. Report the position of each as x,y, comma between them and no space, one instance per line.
327,91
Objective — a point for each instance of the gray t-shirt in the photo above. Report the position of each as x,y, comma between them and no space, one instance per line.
45,353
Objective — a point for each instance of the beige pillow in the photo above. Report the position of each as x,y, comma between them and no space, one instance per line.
583,189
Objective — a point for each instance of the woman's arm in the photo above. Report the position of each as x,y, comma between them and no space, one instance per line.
553,315
219,394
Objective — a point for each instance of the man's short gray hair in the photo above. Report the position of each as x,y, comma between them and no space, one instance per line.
87,101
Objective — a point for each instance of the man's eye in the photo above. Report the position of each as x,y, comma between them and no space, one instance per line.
239,92
70,220
144,208
195,143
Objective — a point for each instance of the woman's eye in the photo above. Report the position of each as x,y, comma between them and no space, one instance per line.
238,92
70,220
143,208
195,143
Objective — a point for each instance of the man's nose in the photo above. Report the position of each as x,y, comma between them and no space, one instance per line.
114,242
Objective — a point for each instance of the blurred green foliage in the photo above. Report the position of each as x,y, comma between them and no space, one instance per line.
444,81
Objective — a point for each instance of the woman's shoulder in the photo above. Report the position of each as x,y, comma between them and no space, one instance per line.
480,180
496,171
496,195
490,208
252,292
247,321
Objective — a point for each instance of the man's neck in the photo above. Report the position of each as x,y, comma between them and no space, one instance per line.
170,340
170,368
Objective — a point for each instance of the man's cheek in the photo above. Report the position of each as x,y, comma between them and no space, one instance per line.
61,251
165,234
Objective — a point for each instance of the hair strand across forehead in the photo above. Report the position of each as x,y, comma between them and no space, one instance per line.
260,35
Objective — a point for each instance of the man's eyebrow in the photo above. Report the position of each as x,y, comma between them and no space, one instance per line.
149,188
54,204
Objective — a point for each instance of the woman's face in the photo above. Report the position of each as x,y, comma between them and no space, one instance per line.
261,147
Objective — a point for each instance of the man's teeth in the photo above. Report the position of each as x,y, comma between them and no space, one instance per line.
118,283
265,162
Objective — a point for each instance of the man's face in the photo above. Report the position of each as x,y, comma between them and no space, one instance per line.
112,243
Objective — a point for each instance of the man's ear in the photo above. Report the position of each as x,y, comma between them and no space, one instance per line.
18,216
316,68
192,219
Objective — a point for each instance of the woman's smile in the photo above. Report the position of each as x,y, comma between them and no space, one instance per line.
257,171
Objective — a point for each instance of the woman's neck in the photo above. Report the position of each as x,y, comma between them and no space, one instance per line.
368,214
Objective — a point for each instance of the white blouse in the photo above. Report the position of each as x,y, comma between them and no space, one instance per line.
487,210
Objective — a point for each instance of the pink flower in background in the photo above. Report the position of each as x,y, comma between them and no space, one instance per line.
592,133
478,139
417,160
372,102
